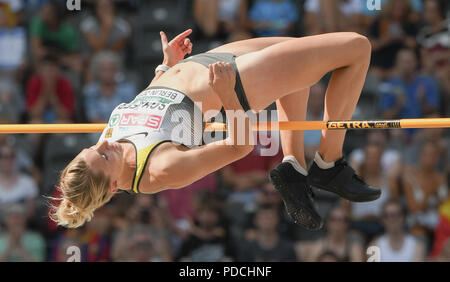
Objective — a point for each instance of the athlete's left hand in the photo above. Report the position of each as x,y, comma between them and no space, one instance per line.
222,77
175,50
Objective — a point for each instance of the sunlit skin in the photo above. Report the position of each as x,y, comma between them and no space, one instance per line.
115,160
289,66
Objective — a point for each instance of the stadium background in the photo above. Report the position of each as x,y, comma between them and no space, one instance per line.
58,65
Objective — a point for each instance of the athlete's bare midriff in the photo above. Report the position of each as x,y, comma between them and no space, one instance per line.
192,79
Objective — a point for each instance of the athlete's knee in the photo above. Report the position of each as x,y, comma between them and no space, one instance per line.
361,45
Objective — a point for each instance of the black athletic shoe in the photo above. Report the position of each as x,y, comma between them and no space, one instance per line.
297,196
342,180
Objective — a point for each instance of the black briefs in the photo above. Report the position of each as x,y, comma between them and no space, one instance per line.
210,58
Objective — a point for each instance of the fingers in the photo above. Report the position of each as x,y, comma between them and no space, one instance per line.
182,35
186,45
225,68
214,73
221,76
217,68
211,74
164,41
221,69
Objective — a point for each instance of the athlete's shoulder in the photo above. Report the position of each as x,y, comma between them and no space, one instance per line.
155,176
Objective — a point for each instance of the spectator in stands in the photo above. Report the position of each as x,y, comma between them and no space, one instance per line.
328,256
445,254
337,241
398,245
143,248
51,34
224,20
369,12
424,188
14,9
408,94
108,88
441,242
273,17
391,159
21,144
180,202
367,218
13,45
434,37
208,240
150,211
332,15
437,135
434,42
105,30
50,96
15,186
269,196
244,178
140,243
60,254
251,171
140,211
31,7
264,243
99,232
315,112
367,15
8,115
93,239
17,243
11,98
391,31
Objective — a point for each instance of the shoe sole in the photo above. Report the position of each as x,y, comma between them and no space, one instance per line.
350,197
301,215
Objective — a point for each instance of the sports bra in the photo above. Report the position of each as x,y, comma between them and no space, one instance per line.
155,116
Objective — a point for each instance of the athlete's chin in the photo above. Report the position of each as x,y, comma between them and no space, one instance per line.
114,166
118,156
116,148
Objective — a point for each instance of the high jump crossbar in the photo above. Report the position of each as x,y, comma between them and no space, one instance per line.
268,126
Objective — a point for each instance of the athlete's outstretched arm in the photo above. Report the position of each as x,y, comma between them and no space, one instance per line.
175,50
185,167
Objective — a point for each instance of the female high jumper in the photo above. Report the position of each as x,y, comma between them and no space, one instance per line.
138,150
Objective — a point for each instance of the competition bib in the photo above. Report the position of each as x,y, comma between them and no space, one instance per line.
147,109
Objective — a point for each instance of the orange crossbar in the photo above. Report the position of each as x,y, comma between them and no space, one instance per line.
286,125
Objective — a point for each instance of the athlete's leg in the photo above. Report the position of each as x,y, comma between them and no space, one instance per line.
346,82
242,47
297,64
292,107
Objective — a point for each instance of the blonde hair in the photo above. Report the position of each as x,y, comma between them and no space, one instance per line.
82,193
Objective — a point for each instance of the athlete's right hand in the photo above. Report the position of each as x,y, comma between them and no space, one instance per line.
222,77
175,50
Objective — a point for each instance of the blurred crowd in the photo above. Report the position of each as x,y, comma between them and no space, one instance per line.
58,66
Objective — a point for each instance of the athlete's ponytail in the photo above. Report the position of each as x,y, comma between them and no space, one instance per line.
82,193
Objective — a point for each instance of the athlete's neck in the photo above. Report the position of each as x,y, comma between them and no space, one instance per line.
125,180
